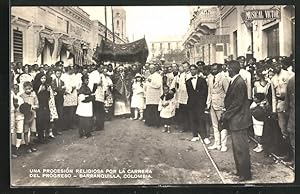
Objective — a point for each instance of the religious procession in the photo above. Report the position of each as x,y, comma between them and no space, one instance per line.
241,107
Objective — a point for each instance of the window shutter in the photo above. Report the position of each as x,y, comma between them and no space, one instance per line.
18,46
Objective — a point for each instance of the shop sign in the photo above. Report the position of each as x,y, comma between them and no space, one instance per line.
76,30
262,14
213,39
207,15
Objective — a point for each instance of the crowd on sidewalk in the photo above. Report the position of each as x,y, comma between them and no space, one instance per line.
200,98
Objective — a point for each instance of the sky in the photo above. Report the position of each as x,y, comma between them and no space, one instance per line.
149,21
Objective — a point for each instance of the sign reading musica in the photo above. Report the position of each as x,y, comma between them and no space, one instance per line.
263,14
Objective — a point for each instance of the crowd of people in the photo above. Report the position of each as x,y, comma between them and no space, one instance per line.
209,101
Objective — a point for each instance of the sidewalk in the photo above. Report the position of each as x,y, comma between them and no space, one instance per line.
264,169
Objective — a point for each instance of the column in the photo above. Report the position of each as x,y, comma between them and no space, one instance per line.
285,32
212,53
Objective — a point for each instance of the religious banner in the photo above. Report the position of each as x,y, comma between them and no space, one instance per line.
136,51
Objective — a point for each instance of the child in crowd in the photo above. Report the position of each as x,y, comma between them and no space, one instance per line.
30,97
166,107
137,99
85,108
16,119
59,88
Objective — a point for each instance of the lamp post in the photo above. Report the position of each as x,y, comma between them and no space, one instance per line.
162,60
84,50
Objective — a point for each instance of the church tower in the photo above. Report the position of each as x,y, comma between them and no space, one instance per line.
119,15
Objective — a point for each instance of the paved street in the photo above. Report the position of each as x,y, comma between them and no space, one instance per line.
129,145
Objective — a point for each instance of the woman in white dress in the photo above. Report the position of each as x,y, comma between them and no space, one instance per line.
261,87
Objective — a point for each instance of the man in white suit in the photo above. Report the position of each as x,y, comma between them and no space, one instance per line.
217,87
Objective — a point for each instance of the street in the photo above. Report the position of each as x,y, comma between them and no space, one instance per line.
161,158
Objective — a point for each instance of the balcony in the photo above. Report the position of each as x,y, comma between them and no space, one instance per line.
203,23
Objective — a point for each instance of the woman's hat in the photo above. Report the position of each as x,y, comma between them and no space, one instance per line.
138,75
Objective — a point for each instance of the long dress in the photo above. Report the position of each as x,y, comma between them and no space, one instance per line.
137,99
122,96
84,110
272,138
70,100
108,101
43,112
153,91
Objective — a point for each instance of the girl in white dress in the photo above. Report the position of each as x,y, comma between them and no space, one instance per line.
137,99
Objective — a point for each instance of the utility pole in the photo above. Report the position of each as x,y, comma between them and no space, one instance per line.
105,23
112,23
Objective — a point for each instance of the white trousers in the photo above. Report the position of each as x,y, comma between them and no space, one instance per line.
220,137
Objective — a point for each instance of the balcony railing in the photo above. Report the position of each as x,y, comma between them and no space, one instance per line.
207,15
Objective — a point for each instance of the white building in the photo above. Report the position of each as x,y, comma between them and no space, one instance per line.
164,44
47,34
265,35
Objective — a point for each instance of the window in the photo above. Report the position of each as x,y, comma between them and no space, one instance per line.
67,27
198,50
235,44
118,23
273,41
18,45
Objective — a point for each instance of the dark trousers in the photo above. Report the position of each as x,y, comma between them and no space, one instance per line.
240,148
59,103
197,123
99,114
183,117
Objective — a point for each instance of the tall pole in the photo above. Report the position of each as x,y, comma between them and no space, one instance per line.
113,28
112,23
105,22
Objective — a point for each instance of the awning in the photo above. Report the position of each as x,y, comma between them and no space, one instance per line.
136,51
65,42
77,52
43,38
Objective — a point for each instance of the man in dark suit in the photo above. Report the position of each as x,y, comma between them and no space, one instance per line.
197,94
238,118
58,87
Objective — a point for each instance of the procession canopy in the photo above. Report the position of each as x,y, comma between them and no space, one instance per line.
136,51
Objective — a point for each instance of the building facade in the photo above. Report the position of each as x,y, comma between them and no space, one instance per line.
47,34
258,31
164,45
